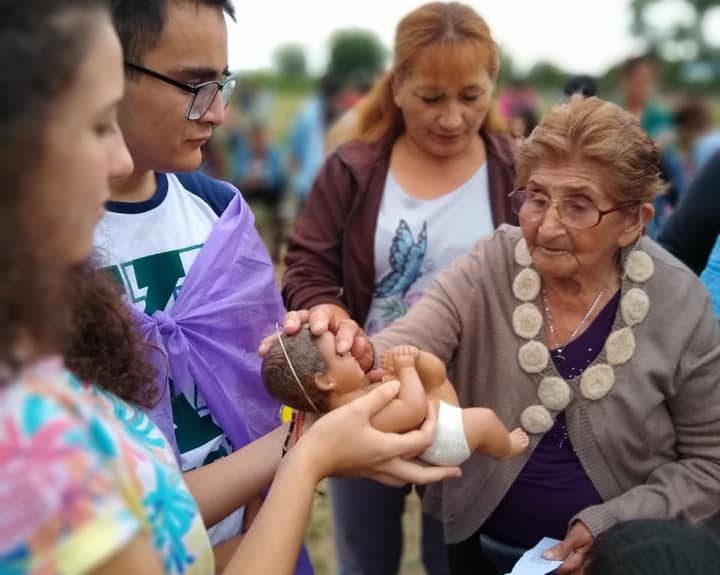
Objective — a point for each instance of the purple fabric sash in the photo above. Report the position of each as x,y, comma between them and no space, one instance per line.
228,303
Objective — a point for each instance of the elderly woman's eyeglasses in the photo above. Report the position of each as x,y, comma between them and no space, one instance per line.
578,212
203,95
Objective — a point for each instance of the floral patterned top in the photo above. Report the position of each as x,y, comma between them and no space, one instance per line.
81,474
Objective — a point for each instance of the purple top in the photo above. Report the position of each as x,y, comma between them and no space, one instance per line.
553,486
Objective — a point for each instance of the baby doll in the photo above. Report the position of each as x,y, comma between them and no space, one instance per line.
306,373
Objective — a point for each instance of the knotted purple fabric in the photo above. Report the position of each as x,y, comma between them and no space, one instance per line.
228,302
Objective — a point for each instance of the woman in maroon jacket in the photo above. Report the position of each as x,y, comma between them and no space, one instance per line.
427,175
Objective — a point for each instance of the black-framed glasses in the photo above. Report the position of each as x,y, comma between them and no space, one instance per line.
203,95
578,212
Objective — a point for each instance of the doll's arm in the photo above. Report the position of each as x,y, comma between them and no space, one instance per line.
407,411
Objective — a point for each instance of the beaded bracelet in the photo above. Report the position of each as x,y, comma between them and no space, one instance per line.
290,432
295,430
299,423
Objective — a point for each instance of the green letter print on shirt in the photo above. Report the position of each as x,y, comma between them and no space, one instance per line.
156,278
158,273
196,430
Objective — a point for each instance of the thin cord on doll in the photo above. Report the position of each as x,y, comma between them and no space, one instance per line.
292,369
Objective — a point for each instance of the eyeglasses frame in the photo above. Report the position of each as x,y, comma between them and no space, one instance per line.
601,213
194,89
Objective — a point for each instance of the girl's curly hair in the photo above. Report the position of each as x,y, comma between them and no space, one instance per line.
104,344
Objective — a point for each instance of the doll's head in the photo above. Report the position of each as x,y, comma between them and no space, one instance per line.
305,372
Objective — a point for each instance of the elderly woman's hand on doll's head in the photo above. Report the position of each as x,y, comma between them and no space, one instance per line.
349,336
343,442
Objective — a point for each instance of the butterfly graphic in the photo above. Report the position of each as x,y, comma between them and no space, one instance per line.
406,261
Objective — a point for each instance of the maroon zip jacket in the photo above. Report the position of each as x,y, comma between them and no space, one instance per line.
330,257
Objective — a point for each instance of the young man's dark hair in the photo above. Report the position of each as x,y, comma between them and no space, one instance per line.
139,23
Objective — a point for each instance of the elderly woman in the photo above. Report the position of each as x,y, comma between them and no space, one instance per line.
599,343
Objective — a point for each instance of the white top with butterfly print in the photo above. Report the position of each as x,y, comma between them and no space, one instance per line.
415,239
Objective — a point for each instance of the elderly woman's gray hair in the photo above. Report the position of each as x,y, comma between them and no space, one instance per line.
596,131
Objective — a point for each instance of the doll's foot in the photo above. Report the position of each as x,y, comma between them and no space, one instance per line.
403,356
388,362
519,441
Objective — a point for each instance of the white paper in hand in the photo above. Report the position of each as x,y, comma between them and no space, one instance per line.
532,562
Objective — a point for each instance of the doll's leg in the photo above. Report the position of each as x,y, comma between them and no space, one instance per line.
433,374
487,434
431,369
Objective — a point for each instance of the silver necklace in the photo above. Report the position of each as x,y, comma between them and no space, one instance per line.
558,353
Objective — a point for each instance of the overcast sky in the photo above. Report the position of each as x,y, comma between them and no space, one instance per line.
578,35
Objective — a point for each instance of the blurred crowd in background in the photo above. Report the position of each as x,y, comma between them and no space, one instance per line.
282,124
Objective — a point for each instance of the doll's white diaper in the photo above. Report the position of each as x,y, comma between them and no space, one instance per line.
449,446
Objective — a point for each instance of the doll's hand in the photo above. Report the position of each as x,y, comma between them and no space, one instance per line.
387,362
376,376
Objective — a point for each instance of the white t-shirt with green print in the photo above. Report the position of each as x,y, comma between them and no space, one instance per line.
149,247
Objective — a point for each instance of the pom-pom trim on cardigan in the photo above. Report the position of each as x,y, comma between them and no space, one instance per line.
596,382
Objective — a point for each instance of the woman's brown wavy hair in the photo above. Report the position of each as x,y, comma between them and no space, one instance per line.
449,38
597,131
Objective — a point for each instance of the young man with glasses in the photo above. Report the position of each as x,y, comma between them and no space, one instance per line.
183,246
